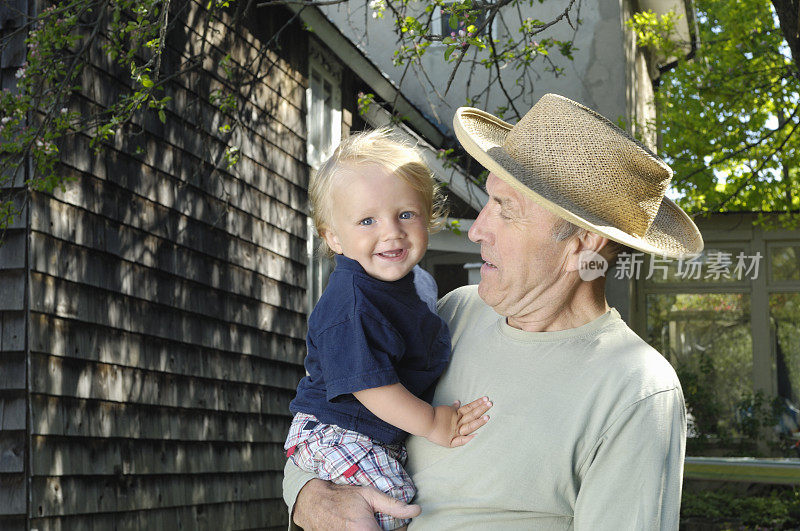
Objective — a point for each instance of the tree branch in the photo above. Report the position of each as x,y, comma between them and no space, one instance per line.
746,147
500,82
308,3
755,172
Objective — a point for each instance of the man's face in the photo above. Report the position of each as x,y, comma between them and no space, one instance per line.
522,260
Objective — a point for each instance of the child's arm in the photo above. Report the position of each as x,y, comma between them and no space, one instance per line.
448,426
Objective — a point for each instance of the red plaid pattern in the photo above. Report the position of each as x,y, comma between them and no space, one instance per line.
350,458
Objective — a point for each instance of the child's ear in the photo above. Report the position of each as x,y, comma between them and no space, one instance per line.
332,240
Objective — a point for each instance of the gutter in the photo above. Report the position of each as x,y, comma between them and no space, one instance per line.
694,42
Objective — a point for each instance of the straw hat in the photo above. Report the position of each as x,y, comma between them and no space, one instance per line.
578,165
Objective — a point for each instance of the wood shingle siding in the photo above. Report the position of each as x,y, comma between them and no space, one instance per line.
13,324
159,299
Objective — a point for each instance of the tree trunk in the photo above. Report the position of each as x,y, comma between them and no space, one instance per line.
787,11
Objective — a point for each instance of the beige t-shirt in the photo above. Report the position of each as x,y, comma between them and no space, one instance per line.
587,431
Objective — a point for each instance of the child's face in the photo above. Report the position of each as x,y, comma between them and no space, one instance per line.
378,220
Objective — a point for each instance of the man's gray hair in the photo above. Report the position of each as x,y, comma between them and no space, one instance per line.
563,230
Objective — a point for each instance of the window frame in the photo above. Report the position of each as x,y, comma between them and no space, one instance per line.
329,71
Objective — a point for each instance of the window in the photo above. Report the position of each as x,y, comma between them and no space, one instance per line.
784,309
785,262
324,122
441,23
707,339
729,321
324,115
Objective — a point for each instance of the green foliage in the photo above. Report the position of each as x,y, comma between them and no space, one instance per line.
40,112
729,117
446,156
653,31
43,82
132,33
364,101
778,509
453,225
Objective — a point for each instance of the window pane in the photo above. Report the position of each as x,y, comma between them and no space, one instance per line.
315,114
785,263
445,22
713,265
327,119
784,311
707,339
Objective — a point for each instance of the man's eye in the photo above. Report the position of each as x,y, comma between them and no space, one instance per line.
406,215
366,221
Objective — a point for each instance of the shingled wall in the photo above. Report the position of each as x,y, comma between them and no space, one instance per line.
158,301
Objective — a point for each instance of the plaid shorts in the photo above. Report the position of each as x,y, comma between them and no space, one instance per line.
347,457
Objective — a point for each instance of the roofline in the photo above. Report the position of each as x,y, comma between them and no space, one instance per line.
432,138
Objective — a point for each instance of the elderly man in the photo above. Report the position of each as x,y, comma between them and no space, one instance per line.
588,427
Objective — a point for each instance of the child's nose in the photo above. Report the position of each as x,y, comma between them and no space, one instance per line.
393,230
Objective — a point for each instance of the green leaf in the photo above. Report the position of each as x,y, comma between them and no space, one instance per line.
453,22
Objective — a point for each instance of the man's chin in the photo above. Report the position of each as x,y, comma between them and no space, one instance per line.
485,291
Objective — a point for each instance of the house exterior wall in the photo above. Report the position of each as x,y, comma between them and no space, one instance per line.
13,324
164,321
596,77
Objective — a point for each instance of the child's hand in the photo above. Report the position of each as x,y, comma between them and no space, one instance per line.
455,426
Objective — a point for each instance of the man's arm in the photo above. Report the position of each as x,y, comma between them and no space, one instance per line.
633,479
317,504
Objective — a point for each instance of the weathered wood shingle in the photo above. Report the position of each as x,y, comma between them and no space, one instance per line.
166,302
13,326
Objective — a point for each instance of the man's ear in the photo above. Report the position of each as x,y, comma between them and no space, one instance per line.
587,241
331,239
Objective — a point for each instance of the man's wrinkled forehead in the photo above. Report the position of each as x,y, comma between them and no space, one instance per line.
509,198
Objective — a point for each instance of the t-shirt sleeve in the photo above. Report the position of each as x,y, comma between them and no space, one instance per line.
426,287
294,479
359,353
633,478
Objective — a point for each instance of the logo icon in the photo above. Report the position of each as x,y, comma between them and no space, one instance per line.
591,266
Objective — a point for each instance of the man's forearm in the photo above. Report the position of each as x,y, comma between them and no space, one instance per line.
317,504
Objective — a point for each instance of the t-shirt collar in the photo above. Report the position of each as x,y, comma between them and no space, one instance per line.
587,329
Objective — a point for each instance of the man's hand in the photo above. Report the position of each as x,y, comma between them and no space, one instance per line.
455,426
324,505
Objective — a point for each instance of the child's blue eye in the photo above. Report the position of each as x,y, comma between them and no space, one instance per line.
366,221
406,215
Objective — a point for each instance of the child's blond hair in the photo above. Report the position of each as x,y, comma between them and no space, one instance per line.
381,148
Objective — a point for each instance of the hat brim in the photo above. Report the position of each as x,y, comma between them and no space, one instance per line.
672,234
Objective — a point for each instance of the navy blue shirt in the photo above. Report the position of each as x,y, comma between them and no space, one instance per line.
366,333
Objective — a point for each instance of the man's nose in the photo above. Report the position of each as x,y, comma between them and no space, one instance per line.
477,232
